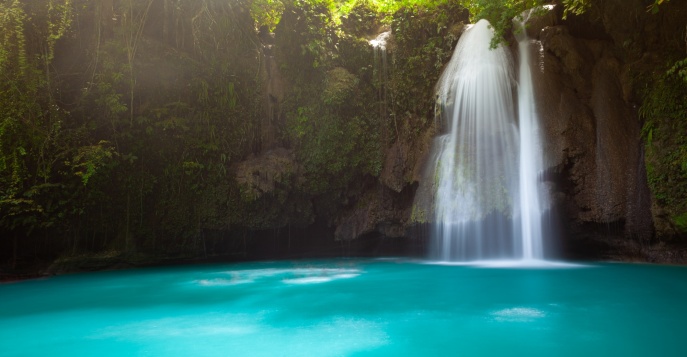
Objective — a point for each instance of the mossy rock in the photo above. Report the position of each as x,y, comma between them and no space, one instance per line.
339,86
681,222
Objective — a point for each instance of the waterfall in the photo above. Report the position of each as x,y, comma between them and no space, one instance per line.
477,164
487,199
532,202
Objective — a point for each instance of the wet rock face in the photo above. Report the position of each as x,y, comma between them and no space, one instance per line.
263,174
268,184
405,159
589,116
387,207
379,211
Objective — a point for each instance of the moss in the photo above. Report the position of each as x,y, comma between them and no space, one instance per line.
362,20
423,44
339,86
418,215
681,222
356,54
664,111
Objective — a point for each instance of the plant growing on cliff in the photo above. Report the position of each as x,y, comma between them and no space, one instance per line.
500,12
575,7
34,138
679,69
664,110
267,13
654,8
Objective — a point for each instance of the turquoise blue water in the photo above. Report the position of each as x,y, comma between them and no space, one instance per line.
350,308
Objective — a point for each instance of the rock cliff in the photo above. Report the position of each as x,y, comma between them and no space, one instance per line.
588,98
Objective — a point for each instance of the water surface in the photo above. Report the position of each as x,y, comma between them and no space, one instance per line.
350,308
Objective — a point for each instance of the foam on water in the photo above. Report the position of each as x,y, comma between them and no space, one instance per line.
164,328
245,335
517,314
311,275
222,282
319,279
512,263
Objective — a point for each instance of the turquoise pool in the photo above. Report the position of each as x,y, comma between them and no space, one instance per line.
352,307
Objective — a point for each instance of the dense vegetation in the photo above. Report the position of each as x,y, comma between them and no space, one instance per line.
664,110
112,119
124,123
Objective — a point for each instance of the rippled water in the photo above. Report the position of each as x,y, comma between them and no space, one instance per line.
350,308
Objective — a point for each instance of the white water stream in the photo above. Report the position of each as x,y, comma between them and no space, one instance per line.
531,166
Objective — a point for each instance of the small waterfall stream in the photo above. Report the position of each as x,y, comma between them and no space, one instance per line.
381,80
531,165
487,201
381,72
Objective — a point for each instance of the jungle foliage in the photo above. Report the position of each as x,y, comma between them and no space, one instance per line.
663,92
119,126
664,111
123,121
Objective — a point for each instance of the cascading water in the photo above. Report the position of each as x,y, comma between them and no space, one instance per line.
533,203
487,200
477,163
